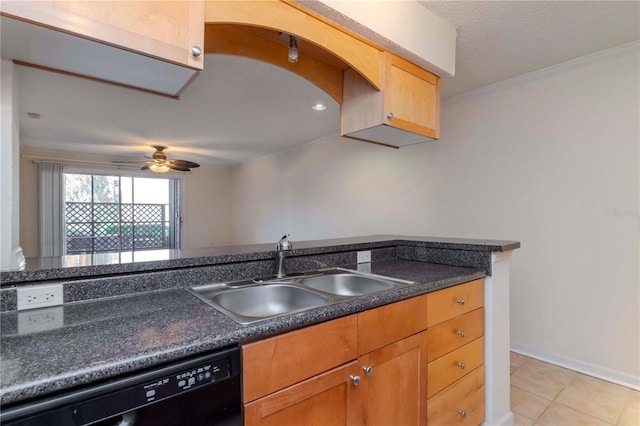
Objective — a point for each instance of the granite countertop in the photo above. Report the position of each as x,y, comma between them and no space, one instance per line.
105,264
104,338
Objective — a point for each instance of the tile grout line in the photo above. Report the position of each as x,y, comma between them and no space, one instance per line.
627,404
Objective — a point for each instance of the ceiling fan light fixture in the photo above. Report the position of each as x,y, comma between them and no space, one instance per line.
159,168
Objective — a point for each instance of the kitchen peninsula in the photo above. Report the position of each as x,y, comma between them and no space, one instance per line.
124,315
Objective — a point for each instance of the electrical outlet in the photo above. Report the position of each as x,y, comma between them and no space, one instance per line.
40,296
364,256
40,320
364,267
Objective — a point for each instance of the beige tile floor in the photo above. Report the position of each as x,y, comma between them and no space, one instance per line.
547,395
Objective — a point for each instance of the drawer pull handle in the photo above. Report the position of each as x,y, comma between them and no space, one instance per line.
367,370
461,301
461,365
355,380
461,333
462,413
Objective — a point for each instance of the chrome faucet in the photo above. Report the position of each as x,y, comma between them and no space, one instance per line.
283,245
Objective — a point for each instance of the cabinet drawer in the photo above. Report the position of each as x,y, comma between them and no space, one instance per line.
280,361
451,302
445,337
387,324
454,365
462,403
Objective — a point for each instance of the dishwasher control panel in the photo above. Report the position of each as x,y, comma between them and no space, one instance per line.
186,380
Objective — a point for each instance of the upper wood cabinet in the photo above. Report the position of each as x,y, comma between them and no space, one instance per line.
405,112
147,45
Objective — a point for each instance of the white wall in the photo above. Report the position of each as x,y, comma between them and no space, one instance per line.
9,167
550,159
207,208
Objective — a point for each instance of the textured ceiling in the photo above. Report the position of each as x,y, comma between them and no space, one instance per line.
498,40
239,108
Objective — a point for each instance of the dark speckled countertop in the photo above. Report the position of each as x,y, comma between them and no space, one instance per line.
107,264
108,337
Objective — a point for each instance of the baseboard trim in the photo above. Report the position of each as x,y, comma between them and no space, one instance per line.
505,420
593,370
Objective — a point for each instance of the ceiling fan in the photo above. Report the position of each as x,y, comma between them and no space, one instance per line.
159,164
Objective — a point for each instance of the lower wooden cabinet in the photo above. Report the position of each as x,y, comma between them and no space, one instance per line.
384,387
461,403
394,379
454,365
381,367
325,399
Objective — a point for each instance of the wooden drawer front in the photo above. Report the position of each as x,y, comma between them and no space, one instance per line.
387,324
278,362
462,403
453,301
445,337
454,365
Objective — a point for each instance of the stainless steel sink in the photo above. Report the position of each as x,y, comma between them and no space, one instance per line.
255,300
249,304
347,284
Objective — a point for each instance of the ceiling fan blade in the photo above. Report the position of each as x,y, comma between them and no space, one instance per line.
177,167
128,161
184,163
145,167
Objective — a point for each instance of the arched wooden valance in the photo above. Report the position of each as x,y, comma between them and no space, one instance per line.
253,28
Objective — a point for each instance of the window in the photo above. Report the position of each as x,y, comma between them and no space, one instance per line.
120,213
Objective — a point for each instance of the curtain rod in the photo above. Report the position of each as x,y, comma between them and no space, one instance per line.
41,159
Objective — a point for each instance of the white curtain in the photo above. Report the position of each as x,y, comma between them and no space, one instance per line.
51,209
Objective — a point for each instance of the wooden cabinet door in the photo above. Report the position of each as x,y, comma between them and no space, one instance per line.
324,400
396,388
162,29
411,97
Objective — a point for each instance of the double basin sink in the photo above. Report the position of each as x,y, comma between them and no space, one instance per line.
250,301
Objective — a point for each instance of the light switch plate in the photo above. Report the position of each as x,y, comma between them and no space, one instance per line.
364,256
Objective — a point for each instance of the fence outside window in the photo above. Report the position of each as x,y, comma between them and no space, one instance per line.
120,213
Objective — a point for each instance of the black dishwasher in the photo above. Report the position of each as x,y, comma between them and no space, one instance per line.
200,391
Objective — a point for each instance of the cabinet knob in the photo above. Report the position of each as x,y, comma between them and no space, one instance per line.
462,413
461,301
355,380
196,51
389,116
367,370
461,365
461,333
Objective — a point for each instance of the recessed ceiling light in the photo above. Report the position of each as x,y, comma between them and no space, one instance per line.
319,107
